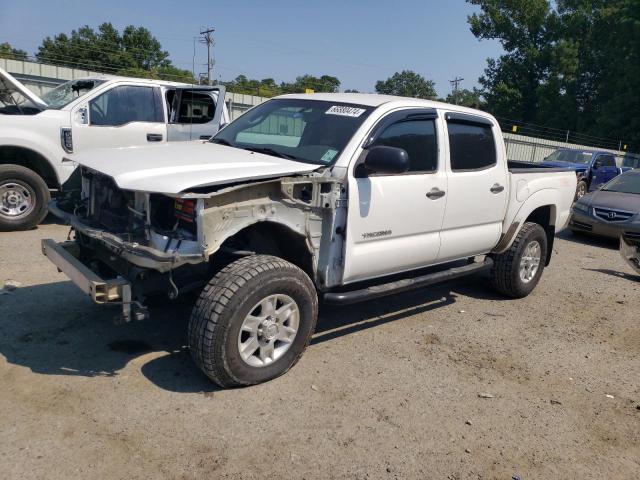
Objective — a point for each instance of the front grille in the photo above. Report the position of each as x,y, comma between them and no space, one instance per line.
581,226
609,215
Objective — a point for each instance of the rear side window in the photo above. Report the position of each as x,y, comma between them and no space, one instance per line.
125,104
418,139
195,107
471,146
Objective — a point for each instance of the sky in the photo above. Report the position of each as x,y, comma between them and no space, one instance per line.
358,41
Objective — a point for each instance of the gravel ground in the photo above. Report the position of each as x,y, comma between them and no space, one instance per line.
388,389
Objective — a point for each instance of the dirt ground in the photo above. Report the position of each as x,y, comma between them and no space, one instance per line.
388,389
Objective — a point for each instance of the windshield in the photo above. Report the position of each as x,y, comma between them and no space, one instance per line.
309,131
67,92
570,156
625,183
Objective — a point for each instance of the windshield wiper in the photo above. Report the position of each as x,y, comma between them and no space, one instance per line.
221,141
270,151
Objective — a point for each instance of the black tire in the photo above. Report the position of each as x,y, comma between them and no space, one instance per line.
33,187
581,190
505,273
216,320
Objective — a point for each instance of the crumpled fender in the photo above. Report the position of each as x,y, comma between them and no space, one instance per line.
630,252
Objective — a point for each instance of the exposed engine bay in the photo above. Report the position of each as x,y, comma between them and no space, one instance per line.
166,244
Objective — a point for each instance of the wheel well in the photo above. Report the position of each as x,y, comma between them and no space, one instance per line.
544,216
29,159
272,239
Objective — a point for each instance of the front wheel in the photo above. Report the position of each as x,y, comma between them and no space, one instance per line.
253,321
23,198
581,190
517,271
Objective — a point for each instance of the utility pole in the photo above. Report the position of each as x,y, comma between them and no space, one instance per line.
207,38
455,82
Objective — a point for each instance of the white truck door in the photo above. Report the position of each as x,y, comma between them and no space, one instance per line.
477,195
194,113
123,116
394,221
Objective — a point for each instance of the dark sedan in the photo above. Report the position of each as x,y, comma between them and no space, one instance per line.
611,210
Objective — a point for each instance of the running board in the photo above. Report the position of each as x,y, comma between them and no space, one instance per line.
382,290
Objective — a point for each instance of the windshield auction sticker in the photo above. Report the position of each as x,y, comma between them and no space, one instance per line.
345,111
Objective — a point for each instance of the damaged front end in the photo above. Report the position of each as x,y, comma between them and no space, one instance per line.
130,245
630,249
127,245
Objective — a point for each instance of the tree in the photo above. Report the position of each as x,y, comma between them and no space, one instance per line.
7,51
325,83
351,90
466,98
407,84
525,30
267,87
106,50
568,64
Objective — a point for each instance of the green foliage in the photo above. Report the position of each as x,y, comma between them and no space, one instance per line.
467,98
407,84
568,64
268,88
134,52
7,51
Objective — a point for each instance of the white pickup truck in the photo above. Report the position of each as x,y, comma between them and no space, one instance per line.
340,196
36,133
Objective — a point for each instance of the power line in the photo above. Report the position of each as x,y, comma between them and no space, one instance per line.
207,37
454,83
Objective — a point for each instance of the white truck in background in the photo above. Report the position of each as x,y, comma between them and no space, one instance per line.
105,111
345,197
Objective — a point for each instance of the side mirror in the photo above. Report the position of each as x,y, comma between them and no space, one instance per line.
386,160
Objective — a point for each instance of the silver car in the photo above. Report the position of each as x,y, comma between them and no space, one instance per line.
611,211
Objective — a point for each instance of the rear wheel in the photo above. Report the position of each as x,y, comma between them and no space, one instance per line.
23,198
516,272
253,321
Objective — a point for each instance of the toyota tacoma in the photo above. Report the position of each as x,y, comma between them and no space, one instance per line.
337,197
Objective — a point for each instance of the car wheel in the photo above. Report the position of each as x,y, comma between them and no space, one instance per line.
23,198
253,321
581,190
516,272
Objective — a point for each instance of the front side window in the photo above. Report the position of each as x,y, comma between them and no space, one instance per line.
309,131
471,146
125,104
607,161
418,139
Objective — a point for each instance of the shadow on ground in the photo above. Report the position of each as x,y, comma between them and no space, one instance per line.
590,240
52,329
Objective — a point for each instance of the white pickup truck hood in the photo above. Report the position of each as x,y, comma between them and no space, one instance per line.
173,168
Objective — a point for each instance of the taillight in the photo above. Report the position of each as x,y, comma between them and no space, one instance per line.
185,209
66,140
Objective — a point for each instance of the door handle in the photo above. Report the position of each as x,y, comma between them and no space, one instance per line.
154,137
497,188
436,193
